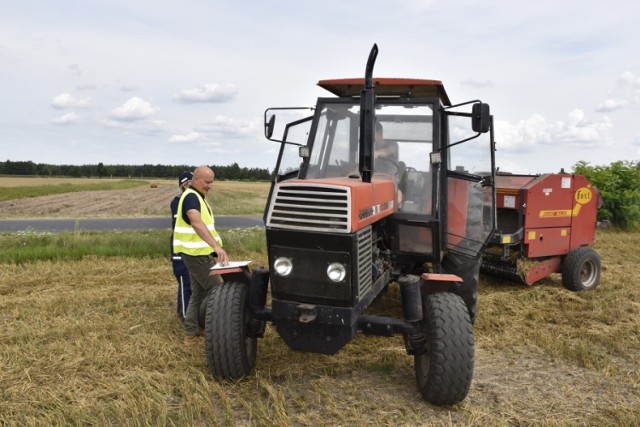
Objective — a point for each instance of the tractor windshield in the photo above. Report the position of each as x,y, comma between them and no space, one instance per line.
404,135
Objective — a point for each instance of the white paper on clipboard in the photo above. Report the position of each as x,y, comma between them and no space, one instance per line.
230,264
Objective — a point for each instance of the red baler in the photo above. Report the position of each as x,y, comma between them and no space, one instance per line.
545,225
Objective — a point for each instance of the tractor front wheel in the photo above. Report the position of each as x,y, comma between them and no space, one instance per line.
444,368
231,351
581,269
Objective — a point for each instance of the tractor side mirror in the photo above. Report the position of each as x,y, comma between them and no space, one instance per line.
268,127
480,117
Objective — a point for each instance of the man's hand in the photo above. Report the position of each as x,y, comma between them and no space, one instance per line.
223,258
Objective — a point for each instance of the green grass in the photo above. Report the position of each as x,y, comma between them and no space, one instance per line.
23,247
23,192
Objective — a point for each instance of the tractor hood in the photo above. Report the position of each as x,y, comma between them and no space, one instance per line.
335,205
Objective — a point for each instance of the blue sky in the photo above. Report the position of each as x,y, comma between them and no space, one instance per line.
124,82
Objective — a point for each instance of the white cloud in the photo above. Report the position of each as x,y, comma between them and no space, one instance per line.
75,69
223,126
87,86
536,130
67,119
135,109
610,105
625,93
628,78
128,88
477,84
65,100
190,137
580,130
208,93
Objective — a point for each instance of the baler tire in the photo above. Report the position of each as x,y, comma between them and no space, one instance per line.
445,368
231,352
581,269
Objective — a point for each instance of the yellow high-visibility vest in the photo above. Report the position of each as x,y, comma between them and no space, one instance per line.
185,238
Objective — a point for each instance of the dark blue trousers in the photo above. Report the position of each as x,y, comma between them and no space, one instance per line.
184,288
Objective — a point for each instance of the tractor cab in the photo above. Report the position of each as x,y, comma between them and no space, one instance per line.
431,167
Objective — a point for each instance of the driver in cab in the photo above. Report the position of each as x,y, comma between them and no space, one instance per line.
385,154
386,158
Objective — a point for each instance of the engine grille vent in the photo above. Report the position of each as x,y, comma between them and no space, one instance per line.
365,257
310,207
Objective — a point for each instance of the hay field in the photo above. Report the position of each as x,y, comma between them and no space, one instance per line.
29,181
150,199
96,342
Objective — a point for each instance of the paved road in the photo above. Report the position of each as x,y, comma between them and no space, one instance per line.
56,225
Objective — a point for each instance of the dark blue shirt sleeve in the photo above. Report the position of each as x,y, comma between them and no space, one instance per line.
190,202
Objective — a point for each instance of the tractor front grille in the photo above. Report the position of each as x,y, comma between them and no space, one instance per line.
311,207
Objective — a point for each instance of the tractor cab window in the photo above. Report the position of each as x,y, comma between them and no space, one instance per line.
408,128
335,146
403,140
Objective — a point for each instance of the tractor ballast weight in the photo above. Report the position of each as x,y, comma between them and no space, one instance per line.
546,224
370,190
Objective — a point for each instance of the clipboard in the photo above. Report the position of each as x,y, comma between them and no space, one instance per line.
230,267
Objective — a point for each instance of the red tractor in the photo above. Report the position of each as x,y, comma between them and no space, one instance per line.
385,182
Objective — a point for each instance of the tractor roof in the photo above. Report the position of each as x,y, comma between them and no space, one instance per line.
412,88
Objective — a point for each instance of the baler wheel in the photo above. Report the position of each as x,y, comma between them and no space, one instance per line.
445,368
231,352
581,269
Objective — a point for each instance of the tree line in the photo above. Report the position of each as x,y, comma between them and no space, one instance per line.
231,172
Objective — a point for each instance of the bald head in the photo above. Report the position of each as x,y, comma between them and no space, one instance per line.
202,179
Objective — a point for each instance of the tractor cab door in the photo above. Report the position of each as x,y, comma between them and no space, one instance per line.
470,191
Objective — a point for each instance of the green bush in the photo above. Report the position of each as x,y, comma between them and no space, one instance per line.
619,187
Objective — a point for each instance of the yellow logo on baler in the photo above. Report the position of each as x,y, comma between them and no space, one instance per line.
583,195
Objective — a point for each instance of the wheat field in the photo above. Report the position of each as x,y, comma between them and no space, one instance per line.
96,342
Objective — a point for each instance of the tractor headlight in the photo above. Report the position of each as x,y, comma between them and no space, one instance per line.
336,272
283,266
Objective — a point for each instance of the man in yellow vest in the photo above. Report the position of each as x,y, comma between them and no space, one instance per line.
195,238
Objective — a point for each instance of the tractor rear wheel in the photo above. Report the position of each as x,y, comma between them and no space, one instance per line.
445,368
581,269
231,352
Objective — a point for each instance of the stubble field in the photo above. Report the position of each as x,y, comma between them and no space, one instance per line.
96,342
152,198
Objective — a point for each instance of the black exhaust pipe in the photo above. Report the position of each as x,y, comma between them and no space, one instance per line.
367,118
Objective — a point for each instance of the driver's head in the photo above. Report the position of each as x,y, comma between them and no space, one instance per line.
383,148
